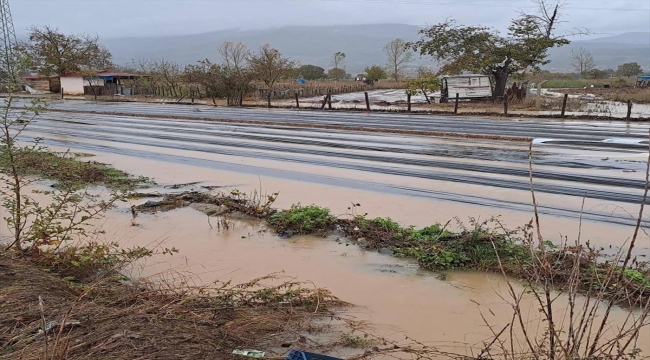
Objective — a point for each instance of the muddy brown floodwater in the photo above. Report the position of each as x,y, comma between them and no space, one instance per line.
395,297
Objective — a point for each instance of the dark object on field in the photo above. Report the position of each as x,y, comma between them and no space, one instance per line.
606,86
517,92
303,355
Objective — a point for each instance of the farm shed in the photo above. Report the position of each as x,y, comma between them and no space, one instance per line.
37,82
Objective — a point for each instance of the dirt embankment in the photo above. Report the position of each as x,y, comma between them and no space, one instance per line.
46,315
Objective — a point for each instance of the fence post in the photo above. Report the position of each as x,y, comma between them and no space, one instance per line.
192,94
456,105
367,101
329,100
566,97
629,109
505,105
297,101
408,102
62,91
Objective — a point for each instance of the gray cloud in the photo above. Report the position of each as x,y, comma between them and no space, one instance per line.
117,18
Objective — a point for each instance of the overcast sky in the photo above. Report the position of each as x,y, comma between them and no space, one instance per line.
117,18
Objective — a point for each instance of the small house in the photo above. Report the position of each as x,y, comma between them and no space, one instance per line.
99,83
468,87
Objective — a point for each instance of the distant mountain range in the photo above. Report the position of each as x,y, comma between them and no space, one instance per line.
363,45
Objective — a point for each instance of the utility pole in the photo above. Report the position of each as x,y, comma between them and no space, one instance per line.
8,58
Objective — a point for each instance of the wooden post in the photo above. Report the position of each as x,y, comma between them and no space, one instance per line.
329,100
324,103
629,109
505,105
367,101
297,101
61,93
408,102
241,99
566,97
192,93
456,105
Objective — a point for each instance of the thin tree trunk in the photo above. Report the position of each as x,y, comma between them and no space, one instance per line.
500,81
268,98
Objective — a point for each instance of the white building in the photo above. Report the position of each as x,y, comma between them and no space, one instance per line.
104,82
73,84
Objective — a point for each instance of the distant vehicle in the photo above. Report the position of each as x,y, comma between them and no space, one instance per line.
468,87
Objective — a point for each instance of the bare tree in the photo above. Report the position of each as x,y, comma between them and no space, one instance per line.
338,60
163,73
234,56
269,66
583,61
398,54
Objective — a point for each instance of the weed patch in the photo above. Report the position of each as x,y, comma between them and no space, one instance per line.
303,220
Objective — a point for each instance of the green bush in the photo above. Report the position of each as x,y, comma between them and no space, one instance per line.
303,220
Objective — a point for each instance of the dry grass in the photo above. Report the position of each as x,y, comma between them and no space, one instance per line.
110,319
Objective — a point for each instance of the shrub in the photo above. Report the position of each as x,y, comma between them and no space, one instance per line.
303,220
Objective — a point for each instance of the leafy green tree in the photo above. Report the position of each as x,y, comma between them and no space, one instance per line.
51,52
336,74
311,72
399,54
376,72
425,83
482,49
629,69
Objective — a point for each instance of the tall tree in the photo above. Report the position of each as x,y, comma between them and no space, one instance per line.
51,52
482,49
269,66
583,61
311,72
338,60
236,73
376,72
629,69
399,54
234,56
207,75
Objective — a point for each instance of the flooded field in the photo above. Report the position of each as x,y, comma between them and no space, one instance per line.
413,179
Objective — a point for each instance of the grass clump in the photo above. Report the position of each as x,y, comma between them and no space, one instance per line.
435,247
303,220
66,168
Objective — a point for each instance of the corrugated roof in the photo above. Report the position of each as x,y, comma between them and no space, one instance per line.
116,74
33,77
102,74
